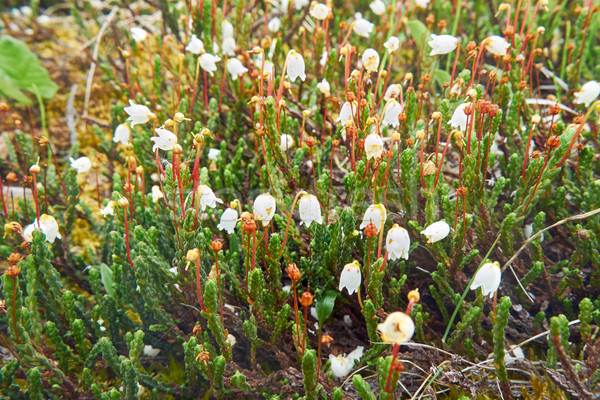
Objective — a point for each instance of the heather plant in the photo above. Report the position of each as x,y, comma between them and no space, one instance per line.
188,187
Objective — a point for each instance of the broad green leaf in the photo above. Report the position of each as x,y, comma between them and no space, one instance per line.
20,70
441,77
325,305
417,30
107,279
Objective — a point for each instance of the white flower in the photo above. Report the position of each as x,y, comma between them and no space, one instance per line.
348,320
207,197
295,67
436,231
229,46
392,92
47,224
397,243
268,68
208,62
350,277
391,112
109,209
139,34
370,60
392,44
324,87
264,208
324,57
165,139
362,27
422,3
310,210
397,328
227,29
228,220
300,4
346,112
286,142
378,7
488,278
373,146
122,134
138,114
231,340
82,164
150,351
274,24
319,11
341,366
157,194
587,93
195,46
213,154
442,44
375,214
235,68
497,45
459,118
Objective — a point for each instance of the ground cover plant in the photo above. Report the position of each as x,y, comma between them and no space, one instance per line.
284,199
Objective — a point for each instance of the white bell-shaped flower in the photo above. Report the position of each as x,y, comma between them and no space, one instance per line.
350,277
324,87
397,243
82,164
207,197
378,7
370,60
235,68
392,44
373,146
310,210
375,214
229,46
397,328
138,114
391,112
347,112
587,93
47,224
286,142
122,134
157,194
392,92
488,278
442,44
165,139
436,231
228,220
138,34
213,154
422,3
195,46
497,45
274,24
342,365
264,208
227,29
150,351
362,27
295,67
109,209
459,118
208,62
319,11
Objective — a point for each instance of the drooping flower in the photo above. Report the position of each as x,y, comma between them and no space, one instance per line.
274,24
377,6
392,92
346,112
587,93
109,209
373,146
310,210
319,11
138,34
82,164
422,3
392,44
436,231
350,277
264,208
488,278
47,224
397,243
391,112
397,328
213,154
195,46
231,341
165,139
229,46
286,142
138,114
235,68
207,197
228,220
150,351
376,214
442,44
497,45
370,60
295,67
157,194
122,134
362,27
208,62
341,366
227,29
459,118
324,87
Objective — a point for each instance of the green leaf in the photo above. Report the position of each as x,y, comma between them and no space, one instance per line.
20,70
441,76
107,279
325,305
417,30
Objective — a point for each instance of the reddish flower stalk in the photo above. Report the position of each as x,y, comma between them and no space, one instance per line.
123,202
34,170
216,247
527,150
199,286
439,169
